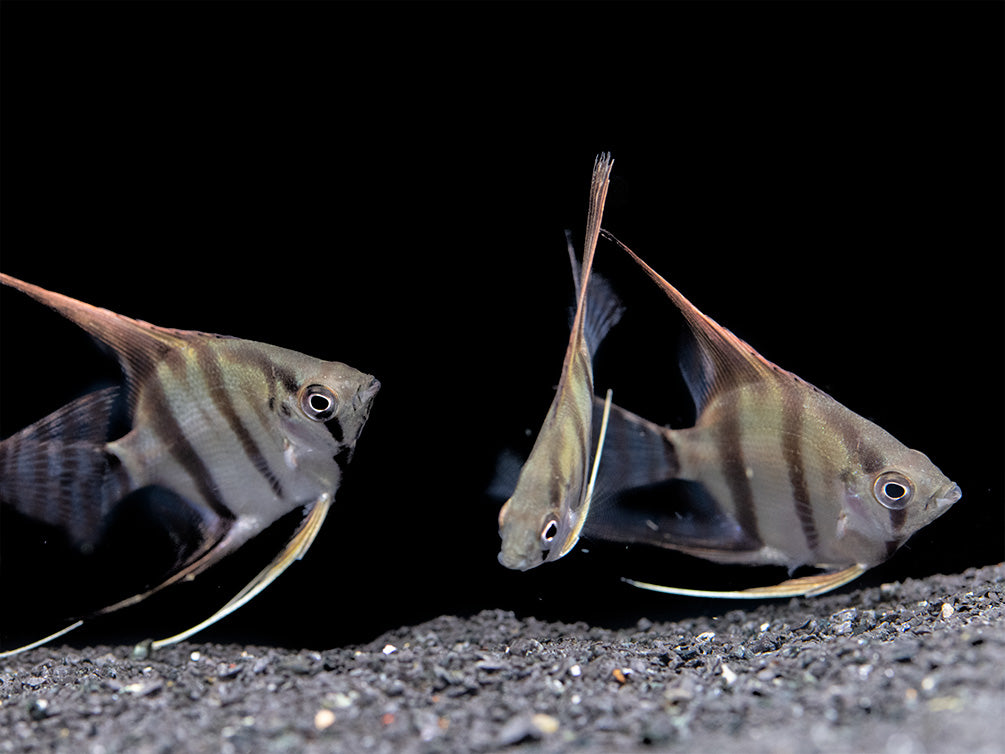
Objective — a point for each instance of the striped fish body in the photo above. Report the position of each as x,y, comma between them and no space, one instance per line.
227,425
542,519
775,471
240,432
802,476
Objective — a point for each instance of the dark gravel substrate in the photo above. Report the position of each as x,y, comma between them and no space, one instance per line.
903,668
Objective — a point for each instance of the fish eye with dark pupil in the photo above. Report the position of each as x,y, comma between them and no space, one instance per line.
549,532
893,490
318,402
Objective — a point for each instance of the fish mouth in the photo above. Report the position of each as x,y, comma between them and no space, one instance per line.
516,564
366,394
948,496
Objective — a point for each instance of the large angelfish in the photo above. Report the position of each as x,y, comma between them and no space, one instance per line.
542,519
775,471
239,431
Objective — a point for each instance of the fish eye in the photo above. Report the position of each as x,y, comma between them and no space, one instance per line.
893,490
549,532
318,402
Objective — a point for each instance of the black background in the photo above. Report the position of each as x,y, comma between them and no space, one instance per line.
388,185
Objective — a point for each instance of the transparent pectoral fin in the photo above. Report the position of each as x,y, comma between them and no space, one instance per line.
295,549
805,586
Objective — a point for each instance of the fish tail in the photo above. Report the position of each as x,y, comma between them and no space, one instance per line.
57,470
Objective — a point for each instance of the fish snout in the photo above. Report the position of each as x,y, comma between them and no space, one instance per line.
516,563
950,495
366,394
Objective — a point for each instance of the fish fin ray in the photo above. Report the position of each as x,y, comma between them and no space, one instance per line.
56,470
218,542
598,195
639,451
295,549
804,586
44,640
715,359
138,345
603,307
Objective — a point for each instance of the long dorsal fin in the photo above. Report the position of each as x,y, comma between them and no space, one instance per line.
137,344
598,195
717,359
804,586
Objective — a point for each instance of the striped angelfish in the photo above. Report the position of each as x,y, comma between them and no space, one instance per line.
542,519
240,432
774,471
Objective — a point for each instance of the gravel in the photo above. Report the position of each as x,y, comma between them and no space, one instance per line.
899,668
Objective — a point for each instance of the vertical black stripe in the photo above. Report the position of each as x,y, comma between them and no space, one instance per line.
167,429
792,433
734,465
897,519
220,395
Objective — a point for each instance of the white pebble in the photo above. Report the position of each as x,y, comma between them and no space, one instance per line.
324,718
728,674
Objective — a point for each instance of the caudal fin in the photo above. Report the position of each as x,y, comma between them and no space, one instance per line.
57,471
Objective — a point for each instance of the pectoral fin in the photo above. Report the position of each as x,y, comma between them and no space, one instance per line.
805,586
295,549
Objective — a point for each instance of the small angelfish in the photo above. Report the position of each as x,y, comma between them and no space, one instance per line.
240,432
542,519
774,471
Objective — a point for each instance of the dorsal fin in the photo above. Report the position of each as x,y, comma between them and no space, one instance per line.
713,359
137,344
598,194
603,307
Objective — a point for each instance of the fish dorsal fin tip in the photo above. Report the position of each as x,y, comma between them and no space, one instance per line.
136,343
598,196
712,358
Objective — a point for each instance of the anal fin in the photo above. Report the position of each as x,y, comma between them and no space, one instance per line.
295,549
804,586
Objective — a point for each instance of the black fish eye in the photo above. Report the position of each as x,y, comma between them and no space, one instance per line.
550,531
893,490
318,402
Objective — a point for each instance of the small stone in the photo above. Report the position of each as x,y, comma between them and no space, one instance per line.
727,674
38,709
947,610
389,649
544,724
324,718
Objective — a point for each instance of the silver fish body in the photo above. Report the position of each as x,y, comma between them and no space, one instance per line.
775,471
542,519
241,432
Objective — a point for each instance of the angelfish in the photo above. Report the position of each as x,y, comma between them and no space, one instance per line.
240,432
542,519
774,471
